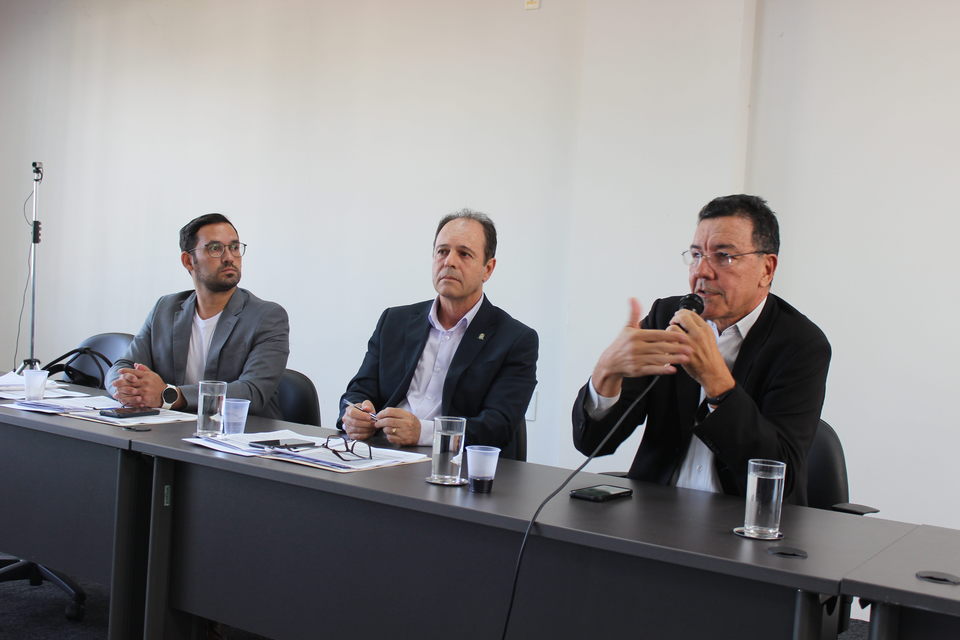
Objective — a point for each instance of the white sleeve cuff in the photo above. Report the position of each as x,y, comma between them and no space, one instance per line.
597,405
426,433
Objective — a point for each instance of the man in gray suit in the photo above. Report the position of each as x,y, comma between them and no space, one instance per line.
218,331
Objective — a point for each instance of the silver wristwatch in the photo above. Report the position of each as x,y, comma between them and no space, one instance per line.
169,396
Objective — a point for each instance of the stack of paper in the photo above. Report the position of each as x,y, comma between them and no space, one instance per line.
316,455
67,405
11,388
88,408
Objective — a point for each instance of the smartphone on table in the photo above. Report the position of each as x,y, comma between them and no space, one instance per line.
129,412
601,493
284,443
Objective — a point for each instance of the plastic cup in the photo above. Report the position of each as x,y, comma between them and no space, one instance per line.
210,408
481,467
764,499
34,383
235,415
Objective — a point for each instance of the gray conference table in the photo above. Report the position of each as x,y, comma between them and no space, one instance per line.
288,551
905,606
75,498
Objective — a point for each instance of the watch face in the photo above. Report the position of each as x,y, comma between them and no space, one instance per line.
169,395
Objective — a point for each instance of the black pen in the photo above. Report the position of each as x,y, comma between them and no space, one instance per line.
357,406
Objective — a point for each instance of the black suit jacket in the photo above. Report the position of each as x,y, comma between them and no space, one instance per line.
773,412
491,377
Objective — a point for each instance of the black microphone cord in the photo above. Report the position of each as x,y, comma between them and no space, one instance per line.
526,534
694,303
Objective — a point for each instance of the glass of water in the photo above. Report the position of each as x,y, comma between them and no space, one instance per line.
448,436
764,498
210,408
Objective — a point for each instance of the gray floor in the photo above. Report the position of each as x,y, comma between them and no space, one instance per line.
37,612
29,613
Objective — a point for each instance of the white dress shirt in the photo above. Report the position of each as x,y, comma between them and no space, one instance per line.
201,336
698,470
425,394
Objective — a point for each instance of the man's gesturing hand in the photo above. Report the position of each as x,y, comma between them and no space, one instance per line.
639,352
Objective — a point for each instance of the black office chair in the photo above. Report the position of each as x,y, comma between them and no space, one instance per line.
828,488
827,485
86,365
298,398
517,449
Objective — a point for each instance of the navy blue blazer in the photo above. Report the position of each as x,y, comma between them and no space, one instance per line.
491,378
773,412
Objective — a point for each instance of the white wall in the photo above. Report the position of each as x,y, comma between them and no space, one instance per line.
335,135
855,140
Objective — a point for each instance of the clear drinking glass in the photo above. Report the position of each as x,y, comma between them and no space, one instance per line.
210,408
764,498
448,436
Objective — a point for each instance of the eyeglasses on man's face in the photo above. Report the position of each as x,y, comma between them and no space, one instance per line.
216,249
718,260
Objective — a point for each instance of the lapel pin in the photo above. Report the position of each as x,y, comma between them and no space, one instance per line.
481,336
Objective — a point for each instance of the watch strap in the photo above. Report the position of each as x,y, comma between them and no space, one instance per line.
716,400
169,396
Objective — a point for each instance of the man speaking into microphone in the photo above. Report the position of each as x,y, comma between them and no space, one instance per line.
744,380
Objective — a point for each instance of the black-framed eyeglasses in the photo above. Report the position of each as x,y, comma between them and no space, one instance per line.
216,249
348,450
718,260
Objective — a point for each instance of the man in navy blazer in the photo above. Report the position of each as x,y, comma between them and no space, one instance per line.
745,380
218,331
456,355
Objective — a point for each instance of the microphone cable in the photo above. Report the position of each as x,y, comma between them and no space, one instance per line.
526,534
694,303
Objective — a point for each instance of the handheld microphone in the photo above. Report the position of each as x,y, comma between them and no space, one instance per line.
693,302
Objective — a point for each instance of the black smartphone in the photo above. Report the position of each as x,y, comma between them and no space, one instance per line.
285,443
129,412
601,493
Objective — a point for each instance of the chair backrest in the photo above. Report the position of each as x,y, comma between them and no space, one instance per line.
298,398
827,483
83,368
517,449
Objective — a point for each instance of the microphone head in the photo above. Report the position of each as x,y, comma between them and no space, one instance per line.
693,302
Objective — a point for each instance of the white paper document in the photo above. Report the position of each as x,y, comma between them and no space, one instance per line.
165,416
67,405
48,393
14,382
324,453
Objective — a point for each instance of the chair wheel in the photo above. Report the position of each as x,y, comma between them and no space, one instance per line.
75,611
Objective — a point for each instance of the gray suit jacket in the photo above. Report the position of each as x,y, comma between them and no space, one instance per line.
248,351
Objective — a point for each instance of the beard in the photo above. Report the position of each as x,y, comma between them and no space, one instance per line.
217,283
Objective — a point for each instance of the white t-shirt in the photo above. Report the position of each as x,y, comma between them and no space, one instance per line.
200,338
